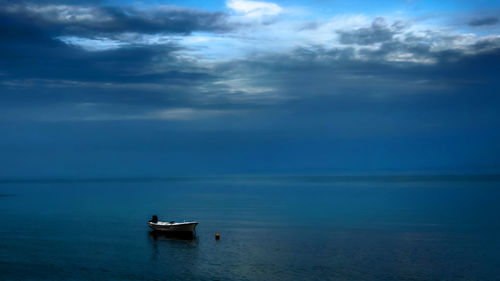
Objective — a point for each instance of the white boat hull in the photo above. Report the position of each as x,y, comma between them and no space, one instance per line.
173,227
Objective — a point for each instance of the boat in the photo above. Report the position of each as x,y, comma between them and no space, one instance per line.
172,227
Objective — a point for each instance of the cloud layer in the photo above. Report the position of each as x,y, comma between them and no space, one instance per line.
252,66
94,20
483,21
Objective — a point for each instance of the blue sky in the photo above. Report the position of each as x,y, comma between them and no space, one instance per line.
350,6
158,88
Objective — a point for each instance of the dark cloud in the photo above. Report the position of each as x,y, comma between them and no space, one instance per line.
53,59
378,32
136,80
334,90
486,44
52,80
30,48
52,2
484,21
93,20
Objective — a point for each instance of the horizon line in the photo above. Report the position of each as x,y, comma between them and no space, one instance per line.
298,177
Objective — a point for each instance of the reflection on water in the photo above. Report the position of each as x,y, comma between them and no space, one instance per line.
181,236
172,239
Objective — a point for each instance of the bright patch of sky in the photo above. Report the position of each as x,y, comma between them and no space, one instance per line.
336,6
93,44
281,26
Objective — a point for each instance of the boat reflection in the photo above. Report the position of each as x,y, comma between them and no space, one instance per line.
161,235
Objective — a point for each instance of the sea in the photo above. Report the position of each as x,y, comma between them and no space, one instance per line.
396,227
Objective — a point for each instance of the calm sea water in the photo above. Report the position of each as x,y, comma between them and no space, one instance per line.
274,228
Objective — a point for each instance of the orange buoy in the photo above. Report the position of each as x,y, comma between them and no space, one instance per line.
217,236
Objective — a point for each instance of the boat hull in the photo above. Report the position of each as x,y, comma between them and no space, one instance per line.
173,227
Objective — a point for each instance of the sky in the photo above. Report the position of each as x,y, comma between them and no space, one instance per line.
180,88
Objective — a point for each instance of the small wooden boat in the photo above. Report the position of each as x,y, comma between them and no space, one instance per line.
172,226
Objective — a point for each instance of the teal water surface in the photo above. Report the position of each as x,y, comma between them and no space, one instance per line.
272,228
